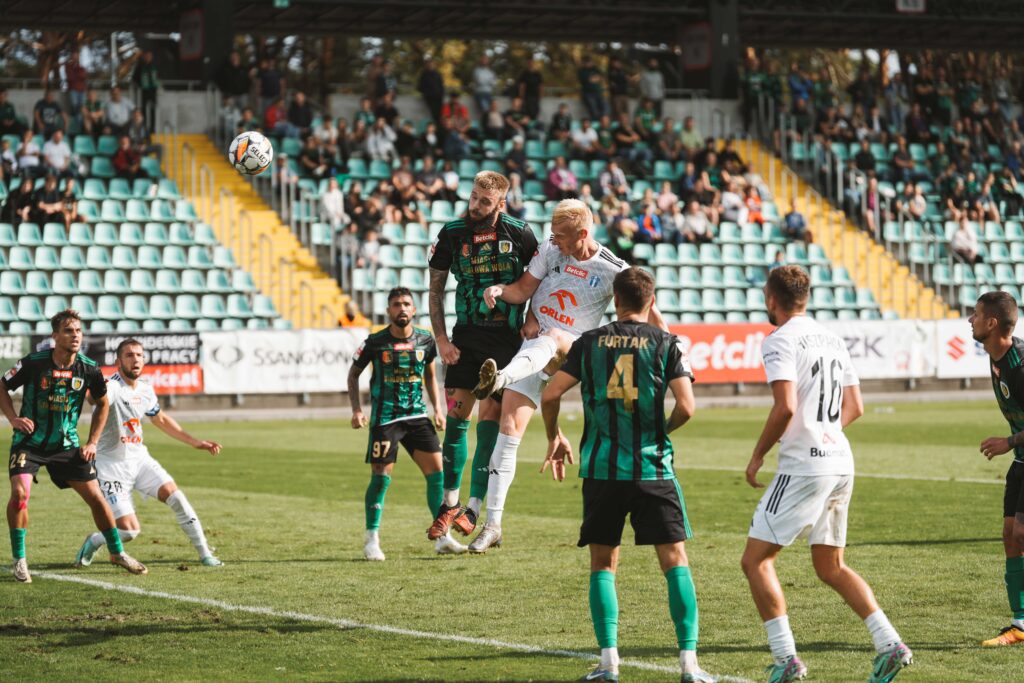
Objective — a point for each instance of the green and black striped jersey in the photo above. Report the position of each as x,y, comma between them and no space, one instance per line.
1008,383
497,256
624,369
53,399
396,387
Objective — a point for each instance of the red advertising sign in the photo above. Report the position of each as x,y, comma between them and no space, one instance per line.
724,354
169,379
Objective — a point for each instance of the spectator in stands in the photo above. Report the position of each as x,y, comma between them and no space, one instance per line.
606,139
354,202
371,217
516,162
247,121
646,198
20,202
1005,191
733,208
717,177
939,161
1002,93
877,126
964,242
688,179
730,160
431,142
652,85
451,182
49,204
626,144
618,87
138,132
119,112
517,121
148,82
800,85
897,97
57,156
649,226
365,113
76,78
1014,133
584,142
530,87
429,185
348,246
904,168
752,198
407,143
93,113
668,143
917,126
373,72
9,124
48,115
913,205
70,199
778,261
708,197
380,142
484,80
794,225
561,182
29,156
386,82
275,120
862,90
455,114
672,222
271,83
591,88
313,160
666,198
8,160
386,109
402,206
994,124
561,124
644,121
431,87
127,161
621,231
865,160
284,174
357,139
697,228
588,198
515,200
327,134
944,94
493,123
370,248
613,181
233,79
871,205
300,114
985,202
691,138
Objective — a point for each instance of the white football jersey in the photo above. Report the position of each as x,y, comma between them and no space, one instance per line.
804,352
572,295
122,435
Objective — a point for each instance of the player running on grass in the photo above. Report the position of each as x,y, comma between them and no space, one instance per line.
625,370
569,286
816,395
484,248
46,433
403,361
993,322
124,465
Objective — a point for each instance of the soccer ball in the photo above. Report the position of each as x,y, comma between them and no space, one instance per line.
251,153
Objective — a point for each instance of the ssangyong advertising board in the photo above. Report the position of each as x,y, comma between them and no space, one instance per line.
12,349
172,360
278,362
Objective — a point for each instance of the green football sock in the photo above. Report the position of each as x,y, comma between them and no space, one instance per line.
379,484
1015,585
18,543
435,492
604,608
682,605
455,451
113,541
486,437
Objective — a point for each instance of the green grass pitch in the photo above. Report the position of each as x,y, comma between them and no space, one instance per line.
283,506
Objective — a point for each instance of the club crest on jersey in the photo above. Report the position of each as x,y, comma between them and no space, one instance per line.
420,355
77,383
594,281
465,250
44,383
385,356
504,247
1005,389
578,272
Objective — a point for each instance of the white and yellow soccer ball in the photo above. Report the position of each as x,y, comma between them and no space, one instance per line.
251,153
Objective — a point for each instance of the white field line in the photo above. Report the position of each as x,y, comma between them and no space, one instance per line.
347,624
858,475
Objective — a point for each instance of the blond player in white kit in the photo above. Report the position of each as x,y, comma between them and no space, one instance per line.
570,283
124,465
816,394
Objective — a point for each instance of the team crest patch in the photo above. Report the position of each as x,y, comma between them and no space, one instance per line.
465,250
594,281
420,355
1005,389
77,383
385,356
12,372
505,247
44,383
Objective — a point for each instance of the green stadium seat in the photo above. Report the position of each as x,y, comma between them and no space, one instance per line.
119,189
257,324
733,277
667,277
128,326
729,233
238,306
870,314
154,326
162,307
232,324
865,298
824,315
53,305
95,190
282,324
441,211
1004,274
30,309
47,258
712,300
8,236
689,277
116,282
141,282
167,189
198,258
186,306
665,255
12,283
689,255
967,296
142,188
241,281
155,235
392,232
86,305
84,146
130,235
380,170
193,281
150,257
101,167
757,317
212,306
178,325
535,150
963,274
124,258
984,274
845,297
223,257
755,300
8,313
106,145
217,281
166,281
847,314
711,254
97,258
735,317
732,254
816,255
756,275
796,254
643,253
822,299
412,278
109,307
185,212
55,235
204,235
386,279
556,148
711,277
263,307
999,253
29,235
151,166
735,300
38,283
663,171
105,235
180,234
415,233
136,307
667,300
414,256
112,211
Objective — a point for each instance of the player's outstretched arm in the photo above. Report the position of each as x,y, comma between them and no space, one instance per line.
686,403
22,424
358,419
169,426
434,394
96,425
559,449
783,408
518,292
853,404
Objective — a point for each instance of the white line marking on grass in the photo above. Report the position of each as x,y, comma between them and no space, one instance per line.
347,624
857,475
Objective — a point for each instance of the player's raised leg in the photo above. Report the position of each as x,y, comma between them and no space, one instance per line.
104,518
17,522
535,355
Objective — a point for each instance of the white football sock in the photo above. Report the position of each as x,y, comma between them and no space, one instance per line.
1019,623
372,536
475,504
451,497
97,540
533,355
882,633
780,638
610,659
188,522
688,661
503,470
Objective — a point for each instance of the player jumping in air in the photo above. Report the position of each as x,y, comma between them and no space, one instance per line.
123,462
403,361
46,434
816,395
993,322
625,371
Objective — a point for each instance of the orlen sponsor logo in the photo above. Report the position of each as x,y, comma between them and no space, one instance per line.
578,272
563,296
956,348
486,237
724,353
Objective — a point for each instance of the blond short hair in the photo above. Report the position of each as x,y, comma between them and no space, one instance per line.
489,181
574,213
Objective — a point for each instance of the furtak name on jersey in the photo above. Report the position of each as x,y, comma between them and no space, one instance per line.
614,341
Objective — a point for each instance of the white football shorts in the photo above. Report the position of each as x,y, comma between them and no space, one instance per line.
119,478
799,506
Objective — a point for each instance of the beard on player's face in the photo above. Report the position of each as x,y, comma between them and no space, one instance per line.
477,221
130,373
402,319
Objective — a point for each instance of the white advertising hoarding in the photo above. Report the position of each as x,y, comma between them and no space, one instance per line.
888,349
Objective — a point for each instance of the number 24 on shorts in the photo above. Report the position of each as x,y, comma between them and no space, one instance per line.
18,459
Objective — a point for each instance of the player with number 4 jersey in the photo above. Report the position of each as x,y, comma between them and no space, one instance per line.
816,394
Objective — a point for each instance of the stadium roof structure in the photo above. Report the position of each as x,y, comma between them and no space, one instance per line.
965,24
